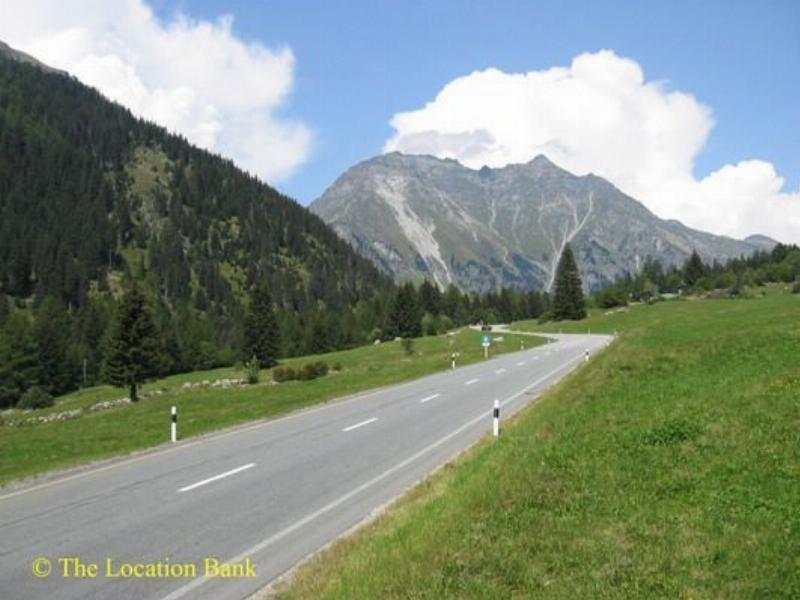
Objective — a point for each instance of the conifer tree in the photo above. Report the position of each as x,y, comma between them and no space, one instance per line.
318,335
694,269
52,332
135,352
19,363
404,316
568,302
4,309
430,298
262,335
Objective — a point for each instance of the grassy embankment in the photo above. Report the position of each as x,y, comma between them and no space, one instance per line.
34,449
668,467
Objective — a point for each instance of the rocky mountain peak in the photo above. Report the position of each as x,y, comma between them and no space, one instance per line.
422,217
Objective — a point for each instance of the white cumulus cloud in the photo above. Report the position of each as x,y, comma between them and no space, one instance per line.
601,115
194,77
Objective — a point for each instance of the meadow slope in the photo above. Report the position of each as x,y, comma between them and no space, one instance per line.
668,467
34,449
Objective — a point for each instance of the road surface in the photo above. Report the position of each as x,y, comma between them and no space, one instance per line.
263,496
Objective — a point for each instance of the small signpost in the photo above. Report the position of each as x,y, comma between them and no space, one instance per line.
486,343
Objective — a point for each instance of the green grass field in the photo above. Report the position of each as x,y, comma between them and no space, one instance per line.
668,467
34,449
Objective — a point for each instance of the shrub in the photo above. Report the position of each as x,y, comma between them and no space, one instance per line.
445,323
430,324
408,346
611,297
796,287
307,372
252,370
337,366
281,374
320,368
35,398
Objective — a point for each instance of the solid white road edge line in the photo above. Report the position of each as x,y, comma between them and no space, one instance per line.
195,583
361,424
428,398
218,477
471,381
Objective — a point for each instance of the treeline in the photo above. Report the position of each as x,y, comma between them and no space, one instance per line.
780,265
58,348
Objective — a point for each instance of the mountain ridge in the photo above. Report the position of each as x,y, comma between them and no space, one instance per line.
487,228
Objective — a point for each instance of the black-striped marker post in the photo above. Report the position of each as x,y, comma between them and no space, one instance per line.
586,355
174,425
496,419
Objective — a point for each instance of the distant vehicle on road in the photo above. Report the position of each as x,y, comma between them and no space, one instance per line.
485,327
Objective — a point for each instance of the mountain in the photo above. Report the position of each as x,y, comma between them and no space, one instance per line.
422,217
91,195
762,242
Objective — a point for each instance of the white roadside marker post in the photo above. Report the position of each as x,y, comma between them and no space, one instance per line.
453,360
496,419
174,425
586,355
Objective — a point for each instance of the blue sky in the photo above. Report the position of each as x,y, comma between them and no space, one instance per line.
358,63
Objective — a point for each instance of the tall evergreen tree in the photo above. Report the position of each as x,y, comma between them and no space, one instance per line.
568,302
405,319
452,302
4,309
504,306
52,331
135,351
262,335
534,304
430,298
319,335
694,269
19,362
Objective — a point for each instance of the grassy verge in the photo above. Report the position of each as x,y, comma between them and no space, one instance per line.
668,467
34,449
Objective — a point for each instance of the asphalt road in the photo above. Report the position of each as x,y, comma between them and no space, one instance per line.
272,493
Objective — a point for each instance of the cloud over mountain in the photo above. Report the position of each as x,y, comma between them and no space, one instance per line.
194,77
601,115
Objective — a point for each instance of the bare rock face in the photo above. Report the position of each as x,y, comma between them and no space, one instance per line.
422,217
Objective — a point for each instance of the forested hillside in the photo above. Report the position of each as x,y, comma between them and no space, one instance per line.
91,196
